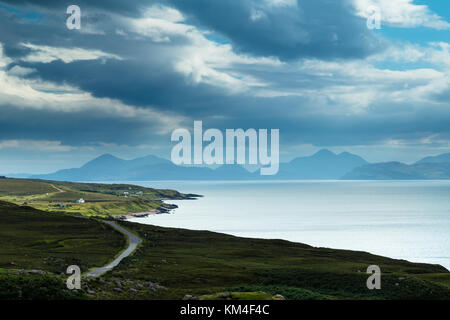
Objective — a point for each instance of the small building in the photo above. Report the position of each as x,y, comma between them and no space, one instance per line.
81,200
62,205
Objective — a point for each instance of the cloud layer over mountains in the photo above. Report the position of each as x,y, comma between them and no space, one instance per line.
139,69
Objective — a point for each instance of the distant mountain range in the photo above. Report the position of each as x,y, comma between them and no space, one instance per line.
321,165
428,168
110,168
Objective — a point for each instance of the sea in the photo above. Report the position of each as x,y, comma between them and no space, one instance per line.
399,219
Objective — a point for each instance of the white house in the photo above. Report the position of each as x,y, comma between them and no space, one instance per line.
81,200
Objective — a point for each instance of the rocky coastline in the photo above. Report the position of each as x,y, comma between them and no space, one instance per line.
166,209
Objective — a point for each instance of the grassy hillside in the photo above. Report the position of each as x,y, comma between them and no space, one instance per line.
203,263
172,263
101,200
23,187
33,239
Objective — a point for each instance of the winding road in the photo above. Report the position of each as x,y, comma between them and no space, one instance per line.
133,240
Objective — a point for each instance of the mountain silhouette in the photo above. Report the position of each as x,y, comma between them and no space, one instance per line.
322,165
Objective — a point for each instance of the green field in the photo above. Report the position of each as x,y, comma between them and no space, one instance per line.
101,200
37,246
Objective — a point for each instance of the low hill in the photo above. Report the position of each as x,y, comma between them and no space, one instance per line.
99,199
34,239
198,262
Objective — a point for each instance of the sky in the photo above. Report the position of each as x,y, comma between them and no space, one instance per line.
136,70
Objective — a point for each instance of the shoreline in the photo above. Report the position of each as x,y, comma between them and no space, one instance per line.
165,210
137,215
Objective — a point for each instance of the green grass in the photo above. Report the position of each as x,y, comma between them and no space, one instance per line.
101,209
15,287
441,278
32,239
22,187
102,200
203,263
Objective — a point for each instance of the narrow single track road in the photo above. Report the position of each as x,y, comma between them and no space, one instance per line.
133,241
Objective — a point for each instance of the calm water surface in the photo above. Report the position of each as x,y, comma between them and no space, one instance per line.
399,219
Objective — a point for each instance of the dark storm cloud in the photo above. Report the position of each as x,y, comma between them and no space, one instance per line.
77,128
125,7
89,126
364,129
324,29
52,31
133,82
145,76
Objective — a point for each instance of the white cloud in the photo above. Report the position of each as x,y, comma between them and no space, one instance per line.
435,53
402,13
19,71
439,54
159,23
342,87
48,54
164,13
201,60
41,95
158,30
354,87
